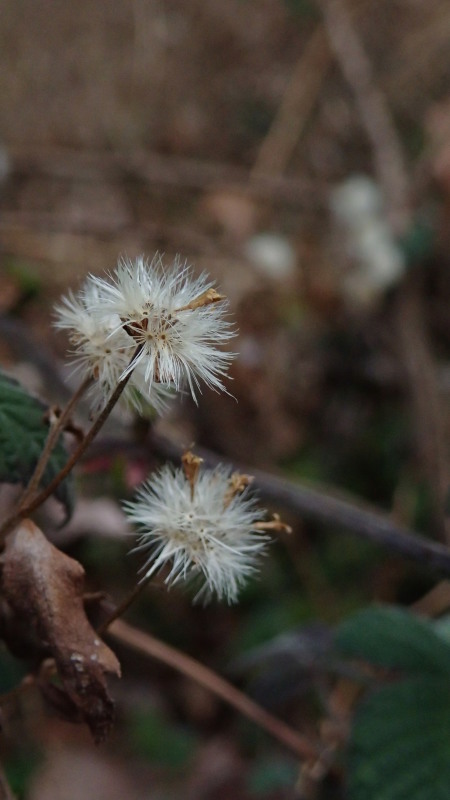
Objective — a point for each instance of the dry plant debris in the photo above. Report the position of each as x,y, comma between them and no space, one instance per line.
43,589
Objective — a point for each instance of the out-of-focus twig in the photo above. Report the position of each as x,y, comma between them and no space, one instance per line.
144,643
295,107
373,109
155,169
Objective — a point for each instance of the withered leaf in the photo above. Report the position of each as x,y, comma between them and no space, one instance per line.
45,587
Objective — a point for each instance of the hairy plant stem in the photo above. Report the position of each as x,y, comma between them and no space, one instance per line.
56,428
123,606
37,501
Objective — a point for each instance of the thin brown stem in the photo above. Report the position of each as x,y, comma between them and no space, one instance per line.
55,430
122,607
144,643
31,506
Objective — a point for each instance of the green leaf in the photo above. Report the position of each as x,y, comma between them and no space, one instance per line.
23,432
394,637
400,744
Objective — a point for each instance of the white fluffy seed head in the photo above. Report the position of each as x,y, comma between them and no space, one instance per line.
178,320
101,350
202,531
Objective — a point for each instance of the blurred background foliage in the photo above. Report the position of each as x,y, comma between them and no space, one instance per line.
232,134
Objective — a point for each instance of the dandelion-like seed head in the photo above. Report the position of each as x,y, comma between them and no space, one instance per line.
177,320
201,524
101,351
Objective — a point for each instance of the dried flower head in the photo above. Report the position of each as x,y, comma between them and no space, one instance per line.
202,524
178,320
101,351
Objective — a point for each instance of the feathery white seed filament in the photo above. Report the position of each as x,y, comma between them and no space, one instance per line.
202,532
102,351
159,309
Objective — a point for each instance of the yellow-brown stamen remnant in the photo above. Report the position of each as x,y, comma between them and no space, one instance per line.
204,299
275,524
237,484
191,466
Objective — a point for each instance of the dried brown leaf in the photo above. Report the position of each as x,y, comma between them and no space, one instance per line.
45,587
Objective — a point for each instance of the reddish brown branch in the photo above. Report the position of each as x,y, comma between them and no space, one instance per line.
149,646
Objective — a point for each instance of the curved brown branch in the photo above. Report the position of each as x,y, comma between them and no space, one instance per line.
120,609
149,646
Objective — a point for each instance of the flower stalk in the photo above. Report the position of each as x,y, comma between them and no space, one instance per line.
27,508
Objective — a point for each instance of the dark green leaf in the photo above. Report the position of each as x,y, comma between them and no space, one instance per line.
23,432
394,637
400,744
